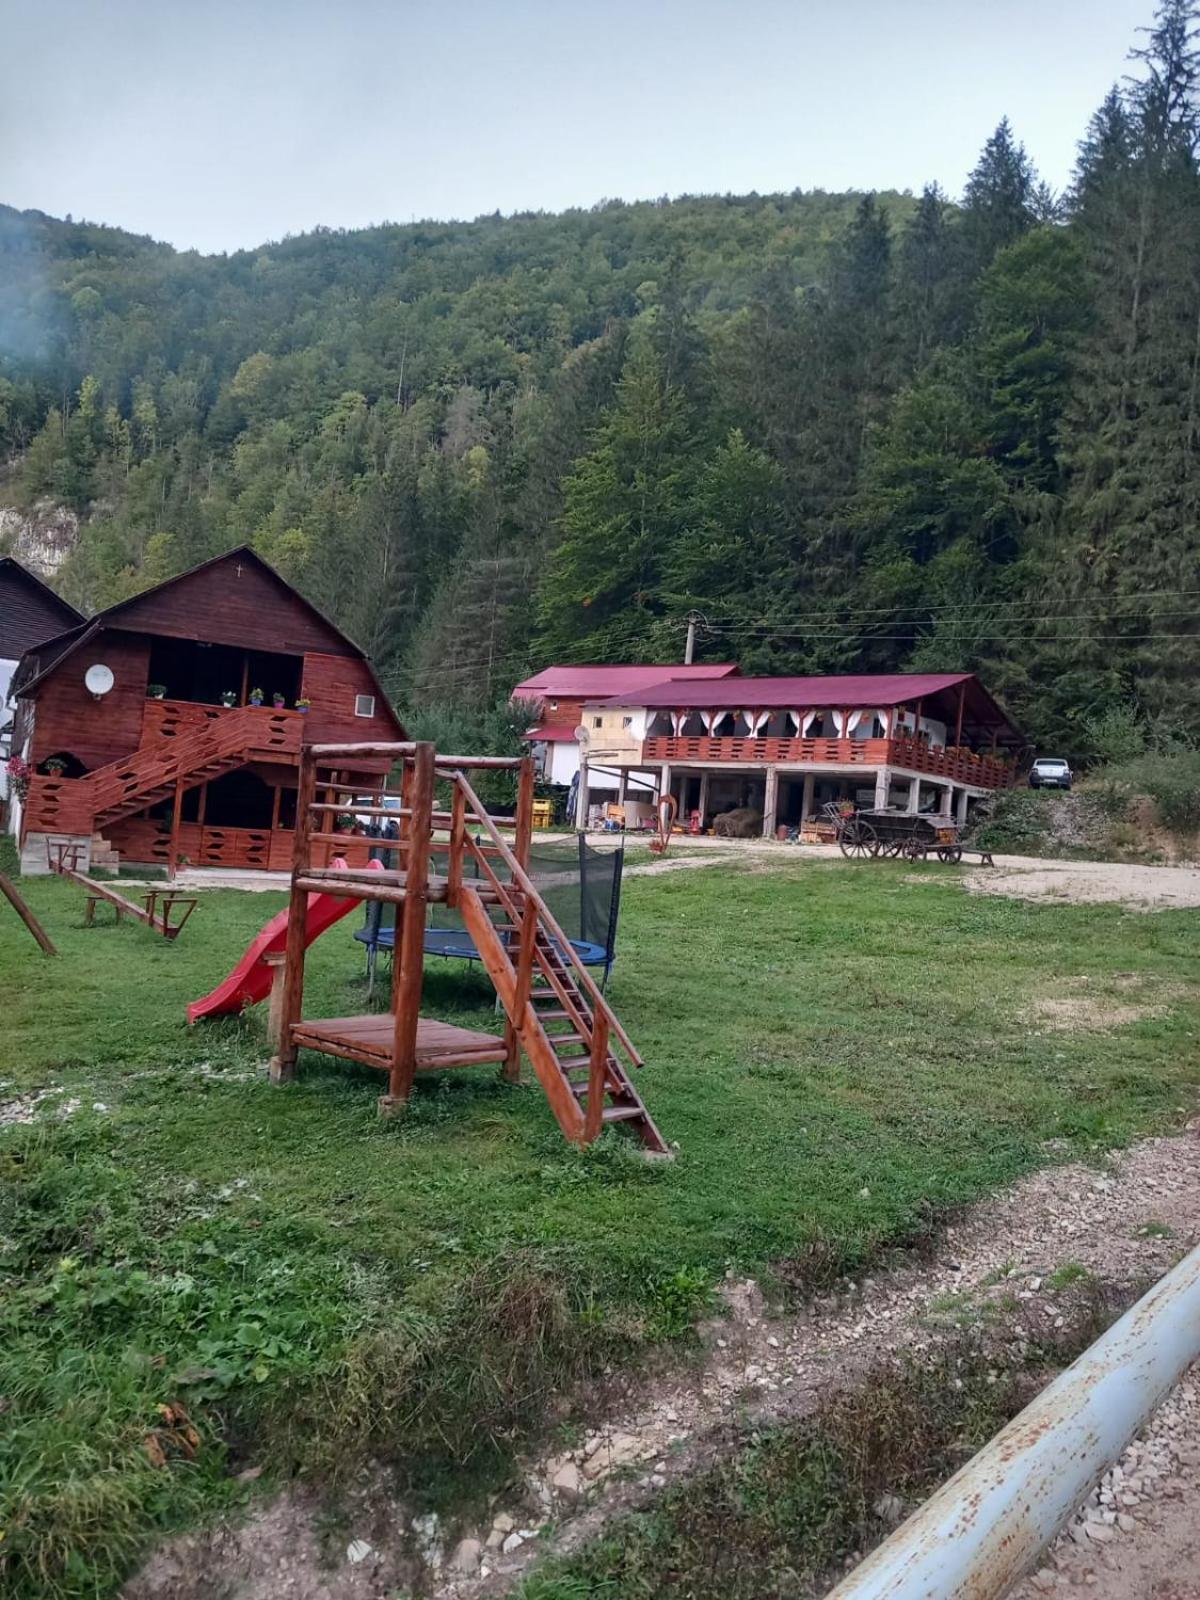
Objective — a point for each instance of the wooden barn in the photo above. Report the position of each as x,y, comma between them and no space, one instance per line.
29,613
168,729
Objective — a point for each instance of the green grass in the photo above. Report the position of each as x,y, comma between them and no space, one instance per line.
841,1055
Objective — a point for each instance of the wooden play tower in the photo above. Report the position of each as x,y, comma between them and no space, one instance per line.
555,1012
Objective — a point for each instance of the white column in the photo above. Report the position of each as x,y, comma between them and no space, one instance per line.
703,801
770,803
806,801
664,786
622,786
947,797
914,794
581,800
964,800
883,782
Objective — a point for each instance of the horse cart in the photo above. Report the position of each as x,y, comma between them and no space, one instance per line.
876,834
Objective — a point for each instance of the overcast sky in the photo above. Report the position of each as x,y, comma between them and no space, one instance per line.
219,124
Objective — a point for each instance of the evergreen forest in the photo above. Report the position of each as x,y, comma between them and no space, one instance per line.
849,432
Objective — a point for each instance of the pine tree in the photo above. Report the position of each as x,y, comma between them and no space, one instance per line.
999,197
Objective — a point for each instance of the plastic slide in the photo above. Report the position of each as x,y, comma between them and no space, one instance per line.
250,980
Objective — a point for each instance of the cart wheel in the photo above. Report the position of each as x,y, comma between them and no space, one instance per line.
951,853
913,850
891,848
858,840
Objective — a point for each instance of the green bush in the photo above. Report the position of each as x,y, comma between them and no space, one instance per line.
1117,734
1170,777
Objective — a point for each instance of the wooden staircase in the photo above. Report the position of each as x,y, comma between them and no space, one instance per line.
194,755
561,1019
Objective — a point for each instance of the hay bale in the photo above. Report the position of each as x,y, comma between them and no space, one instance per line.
742,823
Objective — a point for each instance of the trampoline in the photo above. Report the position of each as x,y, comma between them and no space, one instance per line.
580,884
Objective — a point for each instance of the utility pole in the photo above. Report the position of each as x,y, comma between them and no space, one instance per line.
689,649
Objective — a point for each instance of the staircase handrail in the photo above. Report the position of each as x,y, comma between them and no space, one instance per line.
223,736
527,885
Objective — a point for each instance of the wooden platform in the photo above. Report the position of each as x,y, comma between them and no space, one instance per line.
369,1039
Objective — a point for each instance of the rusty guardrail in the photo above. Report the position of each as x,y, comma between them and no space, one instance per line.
988,1525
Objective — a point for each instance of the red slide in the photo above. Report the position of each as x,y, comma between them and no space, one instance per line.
250,980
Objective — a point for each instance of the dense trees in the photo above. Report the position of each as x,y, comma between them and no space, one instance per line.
852,431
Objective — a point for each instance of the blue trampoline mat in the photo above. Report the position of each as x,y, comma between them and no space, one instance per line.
458,942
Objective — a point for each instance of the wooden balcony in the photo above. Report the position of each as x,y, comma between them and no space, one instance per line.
914,755
283,731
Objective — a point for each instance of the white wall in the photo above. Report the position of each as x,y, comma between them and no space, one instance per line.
7,710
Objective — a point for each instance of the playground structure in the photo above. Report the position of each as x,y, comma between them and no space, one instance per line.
16,900
555,1012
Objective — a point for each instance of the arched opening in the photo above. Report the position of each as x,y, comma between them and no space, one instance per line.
661,726
62,764
731,725
693,726
822,725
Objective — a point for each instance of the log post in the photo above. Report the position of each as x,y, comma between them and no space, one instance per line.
176,820
283,1062
409,956
277,961
522,841
597,1065
458,845
16,901
958,721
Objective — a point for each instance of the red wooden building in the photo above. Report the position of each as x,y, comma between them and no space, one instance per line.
143,735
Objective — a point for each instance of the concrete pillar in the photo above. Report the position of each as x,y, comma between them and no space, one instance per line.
664,785
702,803
770,802
883,782
964,800
583,800
947,800
914,794
806,800
622,785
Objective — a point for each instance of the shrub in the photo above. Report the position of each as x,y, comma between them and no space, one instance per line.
1117,734
1171,778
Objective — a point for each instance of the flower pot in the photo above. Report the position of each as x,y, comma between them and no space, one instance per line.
279,702
229,699
256,699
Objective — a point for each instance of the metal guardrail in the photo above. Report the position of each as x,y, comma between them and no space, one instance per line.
988,1525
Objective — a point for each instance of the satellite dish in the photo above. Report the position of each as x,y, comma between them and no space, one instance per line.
581,734
98,679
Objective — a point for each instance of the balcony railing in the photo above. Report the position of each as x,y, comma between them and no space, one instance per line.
166,719
915,755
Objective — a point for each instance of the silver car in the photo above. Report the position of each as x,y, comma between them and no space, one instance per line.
1050,772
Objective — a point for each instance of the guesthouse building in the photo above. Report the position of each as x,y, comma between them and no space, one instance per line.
168,728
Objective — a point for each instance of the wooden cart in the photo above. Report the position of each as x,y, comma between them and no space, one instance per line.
863,835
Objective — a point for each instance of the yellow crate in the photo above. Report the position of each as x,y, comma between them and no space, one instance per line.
543,813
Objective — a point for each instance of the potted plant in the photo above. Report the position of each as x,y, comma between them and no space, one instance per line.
156,691
229,698
55,766
303,703
18,776
256,697
345,822
278,700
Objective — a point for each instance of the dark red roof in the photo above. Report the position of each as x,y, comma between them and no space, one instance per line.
600,682
553,733
867,689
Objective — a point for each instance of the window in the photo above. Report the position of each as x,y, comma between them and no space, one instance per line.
364,705
597,722
554,705
627,722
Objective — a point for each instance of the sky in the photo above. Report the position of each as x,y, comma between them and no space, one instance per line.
222,124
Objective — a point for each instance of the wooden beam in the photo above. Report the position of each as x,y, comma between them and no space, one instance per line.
521,846
16,901
962,700
283,1062
176,823
409,954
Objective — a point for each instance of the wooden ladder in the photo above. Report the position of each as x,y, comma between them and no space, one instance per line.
563,1023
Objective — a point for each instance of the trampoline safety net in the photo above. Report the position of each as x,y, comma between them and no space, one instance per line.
580,884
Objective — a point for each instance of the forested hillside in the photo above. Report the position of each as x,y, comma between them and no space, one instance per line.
852,431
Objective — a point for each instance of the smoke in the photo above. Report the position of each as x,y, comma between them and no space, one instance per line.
32,321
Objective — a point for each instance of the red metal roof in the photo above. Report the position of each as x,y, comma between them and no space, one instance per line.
600,682
853,689
552,733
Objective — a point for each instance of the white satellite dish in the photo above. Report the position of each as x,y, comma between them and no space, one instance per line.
582,734
98,679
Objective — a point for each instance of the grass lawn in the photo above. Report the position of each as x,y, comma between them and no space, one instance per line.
841,1053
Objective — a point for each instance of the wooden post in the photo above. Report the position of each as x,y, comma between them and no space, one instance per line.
176,819
522,839
15,900
458,835
597,1063
962,697
245,680
409,956
276,795
202,806
283,1062
277,961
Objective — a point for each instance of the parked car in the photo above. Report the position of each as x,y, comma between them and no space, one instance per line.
1050,772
